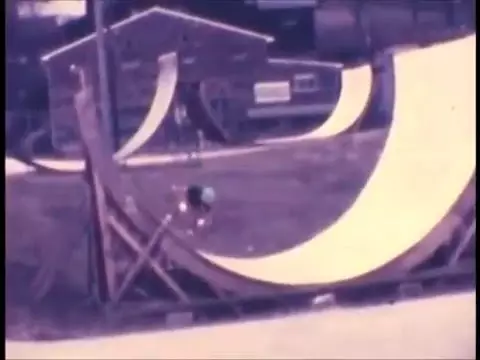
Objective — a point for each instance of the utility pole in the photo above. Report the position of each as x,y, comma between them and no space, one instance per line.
103,73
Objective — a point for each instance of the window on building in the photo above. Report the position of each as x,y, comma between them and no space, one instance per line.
130,65
128,55
240,56
305,83
284,4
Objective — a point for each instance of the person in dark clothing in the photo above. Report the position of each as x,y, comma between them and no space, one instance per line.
200,197
194,204
180,122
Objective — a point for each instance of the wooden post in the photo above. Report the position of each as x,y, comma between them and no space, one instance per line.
464,242
103,73
363,26
156,268
101,253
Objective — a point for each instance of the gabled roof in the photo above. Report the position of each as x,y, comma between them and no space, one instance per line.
167,12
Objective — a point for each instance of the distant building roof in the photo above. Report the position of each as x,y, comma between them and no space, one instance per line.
162,11
305,62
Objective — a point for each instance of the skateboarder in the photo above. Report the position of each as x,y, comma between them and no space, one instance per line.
200,197
196,201
199,140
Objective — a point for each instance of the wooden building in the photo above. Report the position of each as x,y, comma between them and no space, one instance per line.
208,50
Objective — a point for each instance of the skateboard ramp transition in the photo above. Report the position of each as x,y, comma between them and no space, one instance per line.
166,85
355,92
427,163
14,166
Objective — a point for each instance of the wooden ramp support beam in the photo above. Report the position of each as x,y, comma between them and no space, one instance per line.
105,263
111,227
466,240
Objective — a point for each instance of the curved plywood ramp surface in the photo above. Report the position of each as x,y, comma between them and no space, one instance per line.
166,84
427,164
14,166
357,87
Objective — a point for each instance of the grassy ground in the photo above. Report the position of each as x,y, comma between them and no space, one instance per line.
266,202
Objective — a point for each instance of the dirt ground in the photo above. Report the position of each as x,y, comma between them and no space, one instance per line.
267,202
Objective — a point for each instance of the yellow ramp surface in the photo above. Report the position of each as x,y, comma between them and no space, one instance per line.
357,86
166,84
14,166
427,163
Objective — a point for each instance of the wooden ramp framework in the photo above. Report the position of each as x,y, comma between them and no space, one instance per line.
123,219
201,299
185,293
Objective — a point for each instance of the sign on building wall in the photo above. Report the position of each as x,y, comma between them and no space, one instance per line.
272,92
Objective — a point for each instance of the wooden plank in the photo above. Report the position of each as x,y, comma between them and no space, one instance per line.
158,270
106,241
468,236
101,250
142,259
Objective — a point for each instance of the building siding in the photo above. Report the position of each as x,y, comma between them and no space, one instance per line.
204,51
